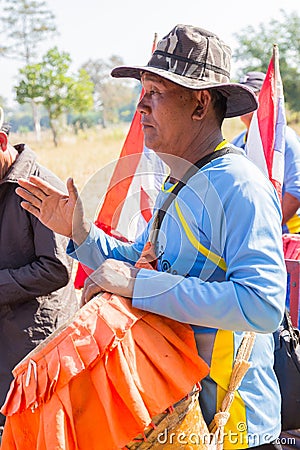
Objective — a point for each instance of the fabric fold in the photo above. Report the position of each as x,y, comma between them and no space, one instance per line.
112,361
97,382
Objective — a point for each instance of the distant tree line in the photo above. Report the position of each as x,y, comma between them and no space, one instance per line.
254,51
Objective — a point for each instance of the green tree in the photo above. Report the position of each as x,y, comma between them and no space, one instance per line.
25,25
53,85
255,50
109,94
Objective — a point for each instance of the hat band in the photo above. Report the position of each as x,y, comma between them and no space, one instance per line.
192,61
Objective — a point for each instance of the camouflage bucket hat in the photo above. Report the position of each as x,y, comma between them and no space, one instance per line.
197,59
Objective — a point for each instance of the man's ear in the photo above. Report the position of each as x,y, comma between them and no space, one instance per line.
3,140
203,99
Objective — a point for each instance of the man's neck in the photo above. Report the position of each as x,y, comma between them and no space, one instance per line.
179,166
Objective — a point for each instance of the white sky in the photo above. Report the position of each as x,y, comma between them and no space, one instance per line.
99,28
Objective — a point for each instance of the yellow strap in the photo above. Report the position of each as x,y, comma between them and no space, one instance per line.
216,259
170,188
293,224
218,147
222,361
221,145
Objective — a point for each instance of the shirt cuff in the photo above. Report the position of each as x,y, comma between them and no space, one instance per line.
151,287
87,252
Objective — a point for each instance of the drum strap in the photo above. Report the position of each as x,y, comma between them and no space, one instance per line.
240,366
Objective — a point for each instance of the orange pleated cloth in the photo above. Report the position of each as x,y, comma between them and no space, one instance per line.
98,382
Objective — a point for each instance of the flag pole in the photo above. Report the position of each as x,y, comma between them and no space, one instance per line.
154,42
276,64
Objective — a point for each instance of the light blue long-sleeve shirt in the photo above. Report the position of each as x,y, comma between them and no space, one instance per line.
230,208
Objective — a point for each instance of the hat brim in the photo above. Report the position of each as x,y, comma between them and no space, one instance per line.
240,99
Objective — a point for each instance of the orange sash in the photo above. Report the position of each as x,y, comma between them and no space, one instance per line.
99,381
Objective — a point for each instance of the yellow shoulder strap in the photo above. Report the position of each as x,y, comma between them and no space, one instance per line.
216,259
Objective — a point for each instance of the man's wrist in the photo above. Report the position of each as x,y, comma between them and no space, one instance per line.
80,233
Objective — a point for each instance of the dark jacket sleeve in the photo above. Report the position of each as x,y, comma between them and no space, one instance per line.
48,269
40,264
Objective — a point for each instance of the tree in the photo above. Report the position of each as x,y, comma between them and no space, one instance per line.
25,24
109,93
255,50
51,84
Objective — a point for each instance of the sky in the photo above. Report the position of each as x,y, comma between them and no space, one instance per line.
97,29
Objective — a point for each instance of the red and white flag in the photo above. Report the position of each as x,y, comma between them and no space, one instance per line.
266,136
130,196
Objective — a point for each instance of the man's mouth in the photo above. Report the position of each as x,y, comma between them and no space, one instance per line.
146,125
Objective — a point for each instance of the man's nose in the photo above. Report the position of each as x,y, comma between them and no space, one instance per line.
143,105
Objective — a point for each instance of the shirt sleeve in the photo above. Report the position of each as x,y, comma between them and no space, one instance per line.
291,182
239,140
98,247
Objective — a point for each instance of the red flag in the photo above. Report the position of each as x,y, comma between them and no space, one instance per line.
129,199
266,137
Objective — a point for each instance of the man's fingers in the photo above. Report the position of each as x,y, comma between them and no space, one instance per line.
30,208
89,291
72,189
30,198
30,189
38,187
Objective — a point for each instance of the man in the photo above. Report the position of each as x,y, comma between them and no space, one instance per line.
220,262
36,290
291,181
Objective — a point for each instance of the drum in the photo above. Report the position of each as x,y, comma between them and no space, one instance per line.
104,381
180,427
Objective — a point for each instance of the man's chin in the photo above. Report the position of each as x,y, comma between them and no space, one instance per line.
150,143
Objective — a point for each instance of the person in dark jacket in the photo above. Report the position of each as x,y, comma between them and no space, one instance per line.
36,289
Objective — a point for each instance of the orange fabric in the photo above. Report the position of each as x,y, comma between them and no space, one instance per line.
97,383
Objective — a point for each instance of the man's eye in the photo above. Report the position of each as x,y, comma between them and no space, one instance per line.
152,92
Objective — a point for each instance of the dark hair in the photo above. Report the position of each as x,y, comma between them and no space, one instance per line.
219,102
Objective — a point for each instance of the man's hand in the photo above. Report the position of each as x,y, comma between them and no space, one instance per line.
60,212
113,276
